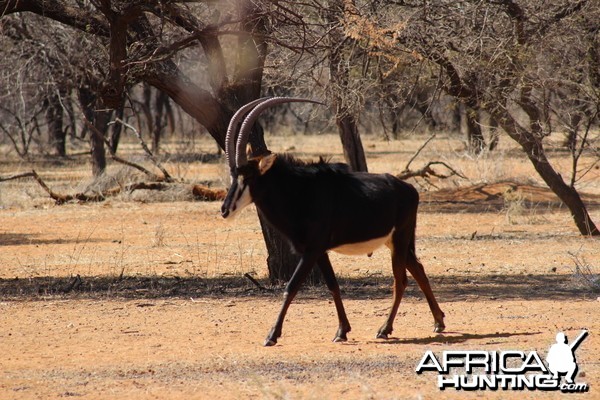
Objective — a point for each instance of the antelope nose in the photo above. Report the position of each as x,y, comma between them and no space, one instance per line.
224,212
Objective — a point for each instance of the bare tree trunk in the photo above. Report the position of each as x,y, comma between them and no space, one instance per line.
572,200
115,135
567,194
533,147
455,112
282,260
354,153
345,114
54,119
474,134
214,116
161,112
87,99
494,135
101,120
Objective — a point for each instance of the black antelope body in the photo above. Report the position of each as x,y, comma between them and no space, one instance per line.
321,207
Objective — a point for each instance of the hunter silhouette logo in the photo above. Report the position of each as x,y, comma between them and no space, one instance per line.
561,357
508,370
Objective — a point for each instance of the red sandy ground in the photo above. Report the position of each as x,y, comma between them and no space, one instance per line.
510,288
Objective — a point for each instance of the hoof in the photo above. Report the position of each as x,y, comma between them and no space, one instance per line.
439,328
270,342
384,332
340,339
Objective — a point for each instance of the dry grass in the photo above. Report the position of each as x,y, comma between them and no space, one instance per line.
189,165
587,275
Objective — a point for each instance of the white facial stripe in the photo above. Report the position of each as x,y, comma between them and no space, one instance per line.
241,198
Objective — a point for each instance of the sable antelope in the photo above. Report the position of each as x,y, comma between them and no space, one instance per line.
324,206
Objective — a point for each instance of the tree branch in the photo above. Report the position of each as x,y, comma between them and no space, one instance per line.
419,151
427,172
58,10
167,176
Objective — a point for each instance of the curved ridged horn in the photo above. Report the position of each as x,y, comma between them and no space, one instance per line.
240,153
232,129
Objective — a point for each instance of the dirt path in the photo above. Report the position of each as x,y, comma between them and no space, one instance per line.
210,348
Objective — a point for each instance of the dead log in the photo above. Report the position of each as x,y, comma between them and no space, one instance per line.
84,197
205,193
427,172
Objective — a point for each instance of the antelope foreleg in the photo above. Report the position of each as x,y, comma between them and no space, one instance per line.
302,270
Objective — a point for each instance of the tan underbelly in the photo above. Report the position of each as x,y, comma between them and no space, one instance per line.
367,247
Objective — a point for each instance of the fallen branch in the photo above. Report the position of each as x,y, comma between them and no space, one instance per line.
149,174
167,176
19,176
32,174
133,165
256,283
419,151
83,197
135,186
427,172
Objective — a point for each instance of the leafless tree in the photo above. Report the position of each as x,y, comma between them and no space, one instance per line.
37,77
493,57
164,44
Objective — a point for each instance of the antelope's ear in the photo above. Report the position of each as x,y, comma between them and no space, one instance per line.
266,163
